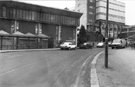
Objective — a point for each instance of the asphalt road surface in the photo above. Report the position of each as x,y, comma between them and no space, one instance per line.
58,68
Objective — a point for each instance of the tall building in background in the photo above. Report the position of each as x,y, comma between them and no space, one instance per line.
88,8
94,13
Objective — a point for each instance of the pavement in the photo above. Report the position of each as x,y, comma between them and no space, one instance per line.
26,50
116,74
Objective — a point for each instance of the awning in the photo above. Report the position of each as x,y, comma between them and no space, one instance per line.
43,36
18,34
4,33
30,35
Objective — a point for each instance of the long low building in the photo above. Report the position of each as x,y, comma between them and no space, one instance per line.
58,24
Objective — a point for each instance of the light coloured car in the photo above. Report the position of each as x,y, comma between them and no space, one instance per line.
100,44
67,45
118,43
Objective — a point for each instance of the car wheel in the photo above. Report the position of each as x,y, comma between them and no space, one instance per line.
69,48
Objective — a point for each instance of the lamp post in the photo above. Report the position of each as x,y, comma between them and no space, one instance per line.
106,35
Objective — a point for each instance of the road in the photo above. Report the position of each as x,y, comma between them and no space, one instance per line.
59,68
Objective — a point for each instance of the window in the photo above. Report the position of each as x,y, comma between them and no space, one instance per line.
78,5
14,26
38,16
91,20
91,0
91,13
33,15
91,7
14,13
18,13
27,15
52,18
30,15
41,16
21,14
11,13
38,28
44,17
47,17
4,12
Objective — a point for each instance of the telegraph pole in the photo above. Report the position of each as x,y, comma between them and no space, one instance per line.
106,35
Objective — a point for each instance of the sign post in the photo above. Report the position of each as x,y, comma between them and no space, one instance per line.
106,35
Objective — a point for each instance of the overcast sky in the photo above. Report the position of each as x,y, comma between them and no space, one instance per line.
130,7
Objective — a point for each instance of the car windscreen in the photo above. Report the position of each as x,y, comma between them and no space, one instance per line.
116,41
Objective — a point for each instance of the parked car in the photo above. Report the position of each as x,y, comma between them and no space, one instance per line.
118,43
109,44
86,45
67,45
100,44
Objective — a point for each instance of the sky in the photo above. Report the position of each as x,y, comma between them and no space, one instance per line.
61,4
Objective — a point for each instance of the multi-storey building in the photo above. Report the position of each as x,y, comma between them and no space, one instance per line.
87,7
97,16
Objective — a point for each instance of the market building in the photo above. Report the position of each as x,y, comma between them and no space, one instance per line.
57,24
95,14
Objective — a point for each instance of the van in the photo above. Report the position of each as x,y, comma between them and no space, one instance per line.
118,43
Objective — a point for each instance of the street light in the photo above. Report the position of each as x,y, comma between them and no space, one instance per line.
106,35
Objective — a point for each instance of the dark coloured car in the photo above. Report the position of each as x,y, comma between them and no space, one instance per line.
86,45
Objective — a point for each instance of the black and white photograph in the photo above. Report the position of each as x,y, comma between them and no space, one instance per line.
67,43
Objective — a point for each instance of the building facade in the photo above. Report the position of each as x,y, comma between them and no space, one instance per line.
88,8
58,24
116,17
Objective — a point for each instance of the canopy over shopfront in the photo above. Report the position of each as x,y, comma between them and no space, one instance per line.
4,33
18,33
30,35
42,36
19,40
